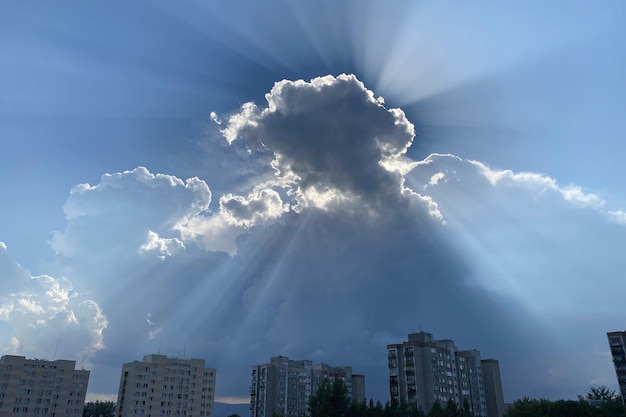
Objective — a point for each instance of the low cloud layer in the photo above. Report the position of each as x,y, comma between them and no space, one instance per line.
348,246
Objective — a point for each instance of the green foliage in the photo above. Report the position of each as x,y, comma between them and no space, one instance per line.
99,409
330,400
436,410
599,402
378,410
371,409
601,393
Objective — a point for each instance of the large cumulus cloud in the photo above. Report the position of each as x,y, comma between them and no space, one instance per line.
330,138
340,245
133,202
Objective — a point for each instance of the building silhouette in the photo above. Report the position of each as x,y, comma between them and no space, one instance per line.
423,371
284,386
617,343
162,386
42,388
493,388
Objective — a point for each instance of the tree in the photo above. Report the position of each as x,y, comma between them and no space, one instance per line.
600,402
527,407
99,409
330,400
601,393
436,410
466,411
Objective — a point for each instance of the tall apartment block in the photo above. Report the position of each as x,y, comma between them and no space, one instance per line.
617,343
284,386
493,387
162,386
424,370
41,388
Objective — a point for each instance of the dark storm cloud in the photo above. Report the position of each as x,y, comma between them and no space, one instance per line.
330,134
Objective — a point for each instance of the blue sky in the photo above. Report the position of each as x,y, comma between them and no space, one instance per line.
167,182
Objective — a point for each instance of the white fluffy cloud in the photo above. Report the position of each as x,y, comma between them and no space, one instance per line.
162,246
45,315
525,233
258,208
133,203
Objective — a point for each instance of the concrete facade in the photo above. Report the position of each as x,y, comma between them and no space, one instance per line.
162,386
284,386
41,388
423,371
493,388
617,343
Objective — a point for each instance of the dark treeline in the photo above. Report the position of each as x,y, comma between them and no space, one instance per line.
331,400
372,409
582,407
99,409
600,401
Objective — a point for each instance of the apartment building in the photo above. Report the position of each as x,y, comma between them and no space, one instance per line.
162,386
41,388
284,386
617,343
423,371
493,388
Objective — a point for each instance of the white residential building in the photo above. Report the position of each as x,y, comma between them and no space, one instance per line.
162,386
41,388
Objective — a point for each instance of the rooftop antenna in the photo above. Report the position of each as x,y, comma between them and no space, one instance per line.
20,348
160,341
184,350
